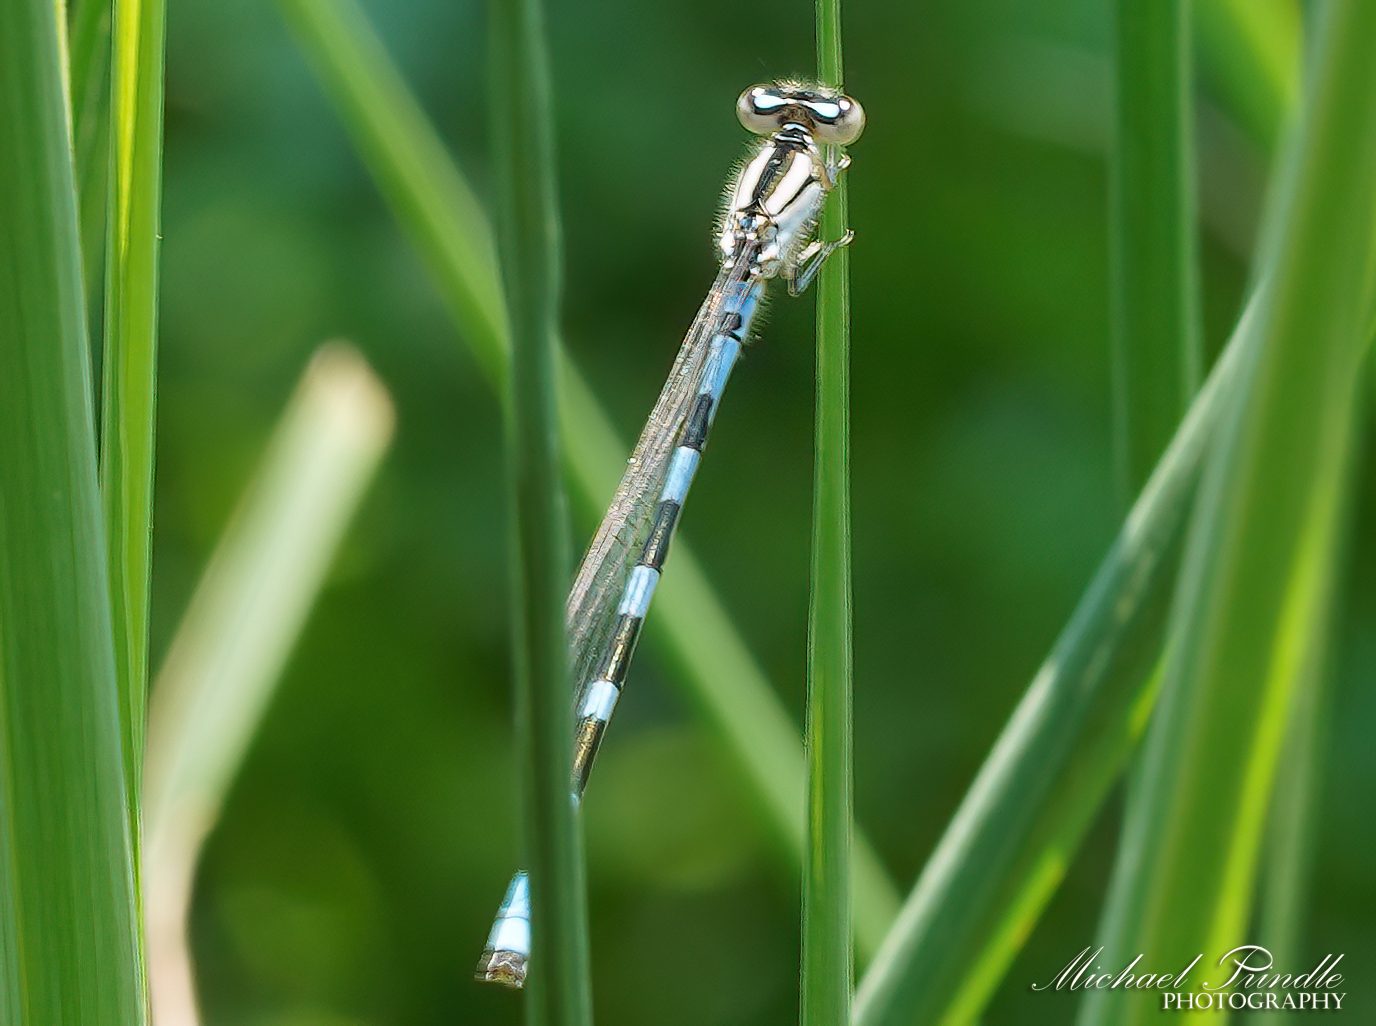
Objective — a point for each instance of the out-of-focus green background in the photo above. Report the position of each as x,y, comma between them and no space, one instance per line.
367,843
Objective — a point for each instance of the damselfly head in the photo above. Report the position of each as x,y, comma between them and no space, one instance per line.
830,116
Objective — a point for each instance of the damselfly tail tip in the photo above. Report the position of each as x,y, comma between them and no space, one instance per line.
507,968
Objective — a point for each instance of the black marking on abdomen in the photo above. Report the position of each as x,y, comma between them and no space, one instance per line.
699,423
621,649
587,739
656,549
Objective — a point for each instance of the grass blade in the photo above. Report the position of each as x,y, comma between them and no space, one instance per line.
827,955
1012,839
1015,834
432,200
1008,846
559,990
1283,897
428,194
1259,563
130,352
69,934
89,61
1250,52
234,640
1154,270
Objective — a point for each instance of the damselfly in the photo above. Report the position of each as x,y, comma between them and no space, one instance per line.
766,232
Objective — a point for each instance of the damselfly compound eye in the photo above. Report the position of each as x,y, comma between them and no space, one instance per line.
845,123
831,117
758,109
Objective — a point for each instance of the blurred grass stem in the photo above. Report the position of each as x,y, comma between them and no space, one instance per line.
558,990
1258,567
1015,833
1251,57
1154,267
233,642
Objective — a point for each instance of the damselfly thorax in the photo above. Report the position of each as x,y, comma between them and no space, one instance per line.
778,195
765,232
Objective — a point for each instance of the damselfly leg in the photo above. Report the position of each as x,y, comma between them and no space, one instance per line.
810,261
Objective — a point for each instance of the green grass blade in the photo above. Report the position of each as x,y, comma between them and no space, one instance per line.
1284,895
427,192
89,60
1259,562
558,991
1012,839
431,199
1154,269
1250,55
1292,825
827,955
1017,830
69,935
130,352
234,640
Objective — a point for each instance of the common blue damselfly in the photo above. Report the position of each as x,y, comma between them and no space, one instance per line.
766,232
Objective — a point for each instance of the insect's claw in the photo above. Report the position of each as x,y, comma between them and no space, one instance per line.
811,259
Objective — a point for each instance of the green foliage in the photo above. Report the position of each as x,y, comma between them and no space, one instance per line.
428,194
1259,562
1154,271
981,491
827,956
89,61
1286,892
1250,53
1016,833
558,990
69,938
232,645
129,355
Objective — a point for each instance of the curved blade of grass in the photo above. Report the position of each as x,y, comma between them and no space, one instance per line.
559,991
1250,53
1288,859
69,934
1014,836
89,61
239,628
1283,896
827,955
1259,563
130,351
427,192
1000,861
1012,839
433,202
1154,269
